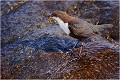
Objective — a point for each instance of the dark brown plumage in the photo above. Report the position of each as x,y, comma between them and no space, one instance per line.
79,28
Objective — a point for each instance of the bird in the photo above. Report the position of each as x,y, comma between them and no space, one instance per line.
78,28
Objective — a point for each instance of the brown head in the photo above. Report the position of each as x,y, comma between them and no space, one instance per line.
62,15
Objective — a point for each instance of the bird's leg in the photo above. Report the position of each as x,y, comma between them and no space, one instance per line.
75,45
71,50
82,44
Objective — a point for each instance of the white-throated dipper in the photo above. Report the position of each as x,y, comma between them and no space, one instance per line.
77,28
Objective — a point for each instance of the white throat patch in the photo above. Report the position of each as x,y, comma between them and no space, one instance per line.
63,25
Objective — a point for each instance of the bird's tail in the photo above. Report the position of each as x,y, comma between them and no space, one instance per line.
106,26
105,31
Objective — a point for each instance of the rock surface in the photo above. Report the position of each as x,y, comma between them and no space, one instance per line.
100,61
31,49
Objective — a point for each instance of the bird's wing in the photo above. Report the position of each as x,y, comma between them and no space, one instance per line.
81,29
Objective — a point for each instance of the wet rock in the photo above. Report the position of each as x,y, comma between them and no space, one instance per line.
20,22
100,61
9,6
32,49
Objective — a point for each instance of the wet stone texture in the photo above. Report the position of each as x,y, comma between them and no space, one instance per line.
99,60
32,49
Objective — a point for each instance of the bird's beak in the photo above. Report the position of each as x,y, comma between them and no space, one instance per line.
50,21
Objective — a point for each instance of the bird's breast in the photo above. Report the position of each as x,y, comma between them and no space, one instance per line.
65,28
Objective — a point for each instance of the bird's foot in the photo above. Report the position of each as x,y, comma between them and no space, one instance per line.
80,51
72,54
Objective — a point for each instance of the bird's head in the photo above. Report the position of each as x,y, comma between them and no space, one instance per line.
62,18
61,15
